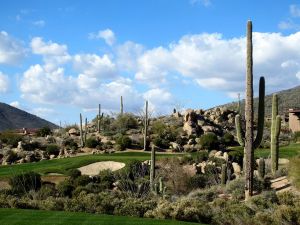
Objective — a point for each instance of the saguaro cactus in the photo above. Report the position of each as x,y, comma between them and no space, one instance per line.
224,174
121,110
99,118
81,132
275,131
85,131
146,126
248,142
152,168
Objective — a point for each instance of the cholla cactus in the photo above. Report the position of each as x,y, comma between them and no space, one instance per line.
275,131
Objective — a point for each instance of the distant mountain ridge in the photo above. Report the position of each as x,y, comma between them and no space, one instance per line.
287,99
14,118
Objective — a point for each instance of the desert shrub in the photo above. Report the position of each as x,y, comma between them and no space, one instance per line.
82,180
65,188
209,141
10,138
52,203
123,142
70,143
163,134
107,145
73,173
135,169
106,178
43,132
294,171
198,181
296,136
123,123
161,142
134,207
31,146
52,149
46,191
236,188
236,156
287,198
200,156
228,139
92,142
24,182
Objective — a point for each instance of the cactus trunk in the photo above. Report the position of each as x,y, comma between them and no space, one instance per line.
152,169
146,127
261,168
85,131
275,131
81,132
98,118
249,116
121,110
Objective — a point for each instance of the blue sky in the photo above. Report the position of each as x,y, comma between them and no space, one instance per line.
60,58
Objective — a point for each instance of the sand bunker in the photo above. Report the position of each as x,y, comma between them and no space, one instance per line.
95,168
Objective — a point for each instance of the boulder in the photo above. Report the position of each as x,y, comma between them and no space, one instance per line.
73,132
175,146
236,168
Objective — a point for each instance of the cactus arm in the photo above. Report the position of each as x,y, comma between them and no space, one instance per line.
260,113
239,130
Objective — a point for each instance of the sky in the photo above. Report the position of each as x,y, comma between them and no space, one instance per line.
61,58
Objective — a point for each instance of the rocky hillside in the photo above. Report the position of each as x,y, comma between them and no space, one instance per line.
289,98
14,118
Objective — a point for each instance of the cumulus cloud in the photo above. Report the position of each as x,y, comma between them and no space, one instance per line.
15,104
4,82
11,50
53,54
160,100
206,3
107,35
95,66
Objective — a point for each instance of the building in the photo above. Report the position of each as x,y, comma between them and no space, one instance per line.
294,119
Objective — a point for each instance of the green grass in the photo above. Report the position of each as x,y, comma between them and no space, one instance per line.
39,217
62,165
288,151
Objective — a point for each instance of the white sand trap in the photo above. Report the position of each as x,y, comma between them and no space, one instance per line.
95,168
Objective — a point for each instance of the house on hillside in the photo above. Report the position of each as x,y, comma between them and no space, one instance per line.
294,119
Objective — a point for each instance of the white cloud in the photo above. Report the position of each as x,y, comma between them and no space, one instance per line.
4,82
39,23
107,34
160,100
95,66
53,54
11,50
15,104
43,112
295,10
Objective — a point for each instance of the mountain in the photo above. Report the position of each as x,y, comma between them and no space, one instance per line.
287,99
14,118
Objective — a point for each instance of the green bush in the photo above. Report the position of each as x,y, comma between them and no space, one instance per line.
197,181
73,173
10,138
296,136
65,188
31,146
70,143
228,139
25,182
123,142
82,180
92,142
43,132
209,141
52,149
236,156
161,142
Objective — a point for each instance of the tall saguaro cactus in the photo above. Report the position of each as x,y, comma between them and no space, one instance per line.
146,126
98,118
85,131
81,132
121,109
152,168
249,143
275,131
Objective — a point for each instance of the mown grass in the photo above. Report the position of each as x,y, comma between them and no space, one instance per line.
62,165
39,217
294,171
288,151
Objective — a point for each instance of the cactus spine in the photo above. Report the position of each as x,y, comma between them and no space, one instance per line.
261,168
81,132
152,169
146,126
224,174
275,131
98,118
121,105
248,142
